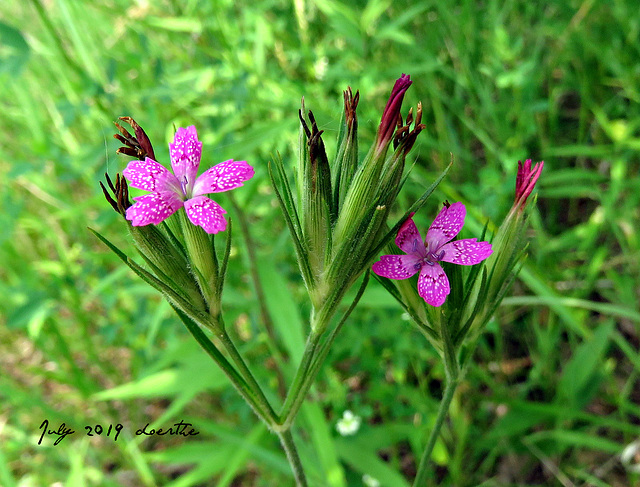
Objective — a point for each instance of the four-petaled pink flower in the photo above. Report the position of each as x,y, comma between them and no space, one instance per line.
433,285
171,192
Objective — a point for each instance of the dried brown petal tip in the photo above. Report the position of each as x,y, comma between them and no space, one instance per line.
304,123
135,146
120,200
350,106
404,135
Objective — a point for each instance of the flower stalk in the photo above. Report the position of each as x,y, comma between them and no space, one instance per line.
362,195
182,254
337,218
454,309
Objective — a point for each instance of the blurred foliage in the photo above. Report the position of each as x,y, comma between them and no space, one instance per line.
553,396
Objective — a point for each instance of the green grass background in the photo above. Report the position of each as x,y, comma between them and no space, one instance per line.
553,395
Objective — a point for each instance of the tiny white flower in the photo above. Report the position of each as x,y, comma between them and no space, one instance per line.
320,67
348,424
369,481
630,457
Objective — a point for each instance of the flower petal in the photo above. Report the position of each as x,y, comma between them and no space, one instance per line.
433,285
446,226
206,213
397,266
409,239
185,154
150,176
466,251
223,177
153,208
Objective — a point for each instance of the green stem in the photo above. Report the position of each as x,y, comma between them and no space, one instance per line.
286,439
321,356
452,378
287,414
299,388
250,392
443,409
295,391
259,290
239,383
248,377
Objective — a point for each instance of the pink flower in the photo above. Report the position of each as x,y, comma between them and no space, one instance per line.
433,284
171,192
526,180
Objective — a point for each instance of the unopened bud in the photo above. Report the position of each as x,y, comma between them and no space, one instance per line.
317,202
391,113
346,161
525,181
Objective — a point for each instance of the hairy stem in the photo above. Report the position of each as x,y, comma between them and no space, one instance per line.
320,356
252,383
452,379
239,383
297,390
286,439
259,290
443,409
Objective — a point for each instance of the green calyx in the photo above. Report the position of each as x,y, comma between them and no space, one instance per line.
169,262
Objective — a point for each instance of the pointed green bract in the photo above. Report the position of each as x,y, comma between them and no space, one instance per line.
317,201
346,160
172,295
155,246
337,217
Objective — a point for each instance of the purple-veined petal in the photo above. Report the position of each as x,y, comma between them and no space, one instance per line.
446,226
223,177
433,284
153,208
206,213
409,239
151,176
185,152
466,252
397,266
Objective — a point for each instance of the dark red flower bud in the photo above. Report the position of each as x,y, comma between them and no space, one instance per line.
391,113
526,180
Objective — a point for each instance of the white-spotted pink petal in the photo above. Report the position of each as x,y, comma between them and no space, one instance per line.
150,176
185,152
153,208
206,213
433,285
409,239
465,252
446,226
223,177
397,266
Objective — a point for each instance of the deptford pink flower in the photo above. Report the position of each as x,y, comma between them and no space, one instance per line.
526,180
433,284
170,192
